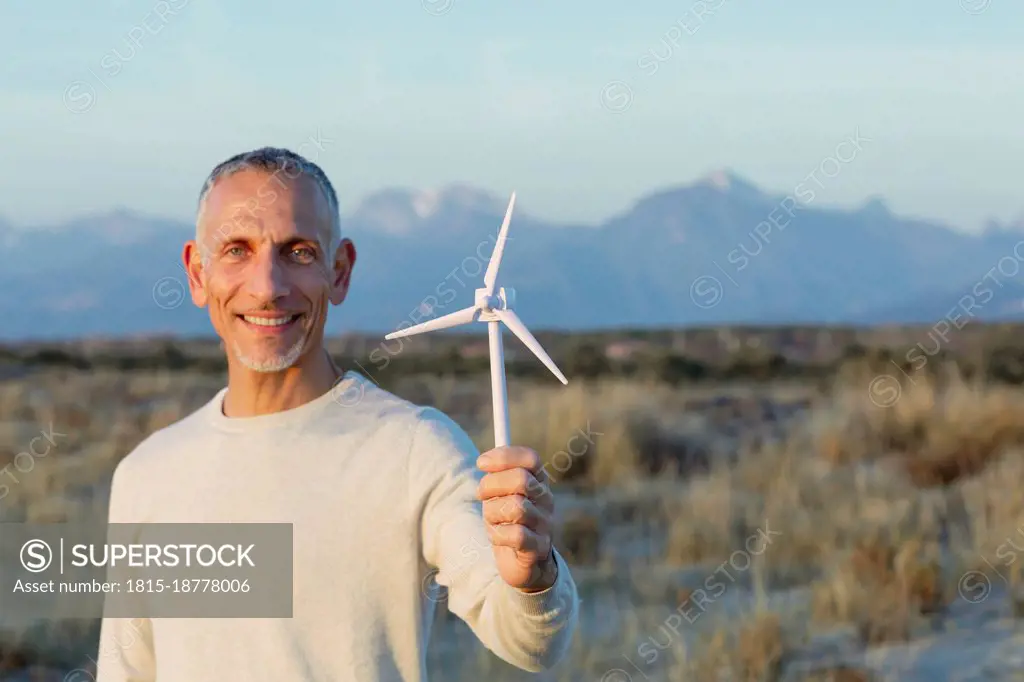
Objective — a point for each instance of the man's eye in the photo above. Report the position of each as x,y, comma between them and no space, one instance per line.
236,251
304,254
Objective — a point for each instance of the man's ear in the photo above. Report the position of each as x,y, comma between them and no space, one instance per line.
193,262
344,261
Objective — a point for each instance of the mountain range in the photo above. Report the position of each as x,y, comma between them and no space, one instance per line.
717,251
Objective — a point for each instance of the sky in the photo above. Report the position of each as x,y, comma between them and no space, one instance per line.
580,107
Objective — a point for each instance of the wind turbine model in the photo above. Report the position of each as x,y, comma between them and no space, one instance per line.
493,305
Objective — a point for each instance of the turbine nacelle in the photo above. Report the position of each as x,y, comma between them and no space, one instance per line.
503,299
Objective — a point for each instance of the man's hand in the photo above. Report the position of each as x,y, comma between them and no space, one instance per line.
518,506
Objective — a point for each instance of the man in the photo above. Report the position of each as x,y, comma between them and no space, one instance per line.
381,493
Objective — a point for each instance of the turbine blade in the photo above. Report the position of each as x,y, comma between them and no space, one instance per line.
464,316
491,276
513,322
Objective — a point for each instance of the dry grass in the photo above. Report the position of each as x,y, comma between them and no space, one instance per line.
755,652
841,674
579,538
760,647
943,428
884,589
582,432
703,521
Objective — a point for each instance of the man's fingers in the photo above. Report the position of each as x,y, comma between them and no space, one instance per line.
516,509
511,457
519,538
516,482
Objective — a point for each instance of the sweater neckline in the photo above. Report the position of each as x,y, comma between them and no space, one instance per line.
350,384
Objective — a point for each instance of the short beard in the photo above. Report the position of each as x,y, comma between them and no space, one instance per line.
278,364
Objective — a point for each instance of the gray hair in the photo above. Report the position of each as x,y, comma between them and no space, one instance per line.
274,160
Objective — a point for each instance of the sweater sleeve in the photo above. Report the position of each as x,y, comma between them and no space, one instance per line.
530,631
126,644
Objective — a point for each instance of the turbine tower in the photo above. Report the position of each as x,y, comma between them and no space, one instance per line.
493,305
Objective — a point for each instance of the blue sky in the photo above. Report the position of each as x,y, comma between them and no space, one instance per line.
509,96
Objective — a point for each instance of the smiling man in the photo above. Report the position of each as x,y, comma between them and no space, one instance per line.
382,494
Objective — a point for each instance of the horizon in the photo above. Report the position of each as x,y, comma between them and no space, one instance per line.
581,108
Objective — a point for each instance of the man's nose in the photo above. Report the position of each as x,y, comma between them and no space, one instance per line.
268,279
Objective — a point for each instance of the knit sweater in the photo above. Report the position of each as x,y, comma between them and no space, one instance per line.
381,494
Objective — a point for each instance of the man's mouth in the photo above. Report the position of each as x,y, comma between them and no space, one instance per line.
271,322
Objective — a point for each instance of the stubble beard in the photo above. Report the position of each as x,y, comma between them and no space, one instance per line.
277,363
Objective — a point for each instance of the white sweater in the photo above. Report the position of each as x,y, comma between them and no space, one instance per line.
382,494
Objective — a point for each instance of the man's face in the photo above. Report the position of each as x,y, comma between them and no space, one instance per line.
262,269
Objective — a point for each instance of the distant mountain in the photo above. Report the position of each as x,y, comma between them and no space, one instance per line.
401,211
986,300
995,292
717,251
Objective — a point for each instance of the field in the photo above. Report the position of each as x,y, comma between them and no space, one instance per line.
800,504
